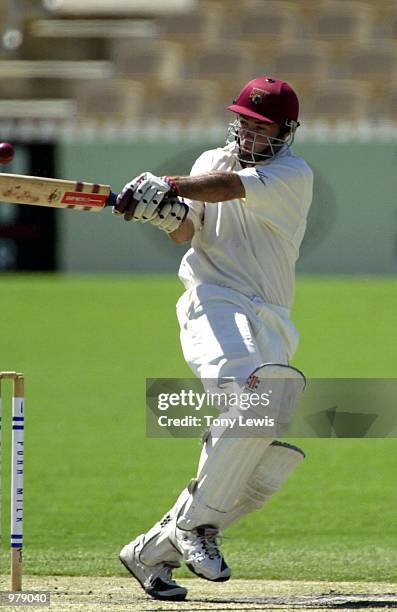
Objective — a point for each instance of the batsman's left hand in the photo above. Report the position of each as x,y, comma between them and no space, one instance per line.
140,197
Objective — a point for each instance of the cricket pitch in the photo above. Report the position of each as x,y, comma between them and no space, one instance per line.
99,594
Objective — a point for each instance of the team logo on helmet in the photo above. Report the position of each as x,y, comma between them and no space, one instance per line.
257,95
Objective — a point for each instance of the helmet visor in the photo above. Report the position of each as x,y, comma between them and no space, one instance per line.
253,146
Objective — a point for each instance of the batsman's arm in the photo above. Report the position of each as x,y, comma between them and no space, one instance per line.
184,233
210,187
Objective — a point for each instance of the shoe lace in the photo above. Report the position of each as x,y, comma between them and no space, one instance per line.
209,541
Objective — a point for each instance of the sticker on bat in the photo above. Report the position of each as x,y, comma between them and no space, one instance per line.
84,199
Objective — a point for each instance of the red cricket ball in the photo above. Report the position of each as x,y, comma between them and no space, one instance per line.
6,152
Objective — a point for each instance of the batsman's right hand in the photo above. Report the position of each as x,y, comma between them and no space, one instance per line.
170,214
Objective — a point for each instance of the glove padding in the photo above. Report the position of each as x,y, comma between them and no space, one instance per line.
140,197
170,214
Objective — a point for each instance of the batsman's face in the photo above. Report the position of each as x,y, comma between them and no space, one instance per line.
254,135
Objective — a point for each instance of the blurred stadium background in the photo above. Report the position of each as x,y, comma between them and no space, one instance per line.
103,89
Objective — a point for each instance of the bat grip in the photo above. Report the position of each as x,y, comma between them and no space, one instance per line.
112,198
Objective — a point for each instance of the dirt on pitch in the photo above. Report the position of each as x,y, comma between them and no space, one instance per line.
99,594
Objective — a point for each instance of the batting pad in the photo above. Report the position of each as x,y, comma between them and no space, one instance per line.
278,462
157,546
227,463
284,385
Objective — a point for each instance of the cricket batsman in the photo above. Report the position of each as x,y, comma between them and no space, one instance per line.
244,209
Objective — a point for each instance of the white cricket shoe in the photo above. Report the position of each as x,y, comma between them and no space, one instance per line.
201,553
156,580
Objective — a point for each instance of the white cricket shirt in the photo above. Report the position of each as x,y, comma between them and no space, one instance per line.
251,244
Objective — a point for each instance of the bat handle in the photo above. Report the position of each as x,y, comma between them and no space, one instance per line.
111,201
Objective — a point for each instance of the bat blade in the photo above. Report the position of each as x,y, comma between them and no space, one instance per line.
55,193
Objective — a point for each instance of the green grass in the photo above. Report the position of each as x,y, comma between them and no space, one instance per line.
93,479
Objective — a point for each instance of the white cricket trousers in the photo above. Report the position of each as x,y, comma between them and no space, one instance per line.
225,333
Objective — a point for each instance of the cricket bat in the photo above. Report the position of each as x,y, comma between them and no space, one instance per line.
55,193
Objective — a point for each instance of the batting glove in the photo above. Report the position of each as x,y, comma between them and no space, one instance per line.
140,197
170,215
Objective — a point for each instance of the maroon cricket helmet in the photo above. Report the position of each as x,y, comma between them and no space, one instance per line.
267,99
